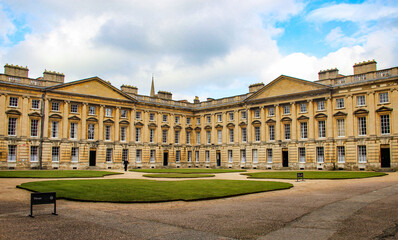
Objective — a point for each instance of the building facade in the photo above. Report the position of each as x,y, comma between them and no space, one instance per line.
337,122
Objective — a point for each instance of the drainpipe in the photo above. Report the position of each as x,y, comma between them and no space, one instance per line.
43,97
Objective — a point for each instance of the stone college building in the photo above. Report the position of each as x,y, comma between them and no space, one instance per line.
336,122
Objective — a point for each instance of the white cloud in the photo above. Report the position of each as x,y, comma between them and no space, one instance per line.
205,48
6,26
364,12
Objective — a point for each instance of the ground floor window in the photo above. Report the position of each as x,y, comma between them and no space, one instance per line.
189,156
197,156
302,155
340,154
109,154
255,156
230,158
138,155
153,153
320,154
178,156
34,153
12,153
125,155
362,154
55,154
243,156
269,155
75,154
207,156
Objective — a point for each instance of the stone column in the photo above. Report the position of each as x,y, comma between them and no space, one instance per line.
350,117
372,123
117,115
294,121
277,123
25,123
65,116
329,126
83,121
262,126
101,123
311,127
46,117
3,117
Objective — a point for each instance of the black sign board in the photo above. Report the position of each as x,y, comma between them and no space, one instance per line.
300,176
43,198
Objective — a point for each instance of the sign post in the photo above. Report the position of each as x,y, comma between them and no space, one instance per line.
300,176
43,198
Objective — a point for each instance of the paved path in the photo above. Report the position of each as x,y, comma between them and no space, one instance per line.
314,209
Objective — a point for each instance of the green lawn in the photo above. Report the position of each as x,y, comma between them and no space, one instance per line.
314,174
178,175
54,174
134,190
186,170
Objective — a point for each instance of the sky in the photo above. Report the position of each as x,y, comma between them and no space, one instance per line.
202,48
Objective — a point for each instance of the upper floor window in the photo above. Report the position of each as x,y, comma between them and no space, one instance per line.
340,127
321,105
164,118
73,130
35,104
257,134
286,109
177,119
164,136
231,116
91,110
151,116
271,111
271,130
108,112
73,108
231,135
361,100
321,129
107,133
385,124
208,118
198,120
188,120
123,133
55,106
138,115
34,127
54,129
257,113
287,131
177,137
91,131
244,135
361,126
303,107
244,116
13,102
340,103
219,117
12,127
383,97
123,113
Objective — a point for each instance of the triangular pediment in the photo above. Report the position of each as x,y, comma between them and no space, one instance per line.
285,85
92,87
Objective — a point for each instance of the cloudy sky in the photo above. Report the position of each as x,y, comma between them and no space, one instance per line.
206,48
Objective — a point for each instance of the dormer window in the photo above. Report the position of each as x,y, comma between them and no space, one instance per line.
55,106
123,113
13,102
108,112
321,105
286,109
73,108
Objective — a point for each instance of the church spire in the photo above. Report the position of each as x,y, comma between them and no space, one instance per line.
152,88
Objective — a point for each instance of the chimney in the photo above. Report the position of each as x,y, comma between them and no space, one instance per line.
165,95
255,87
16,71
328,74
196,100
365,67
53,76
129,89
